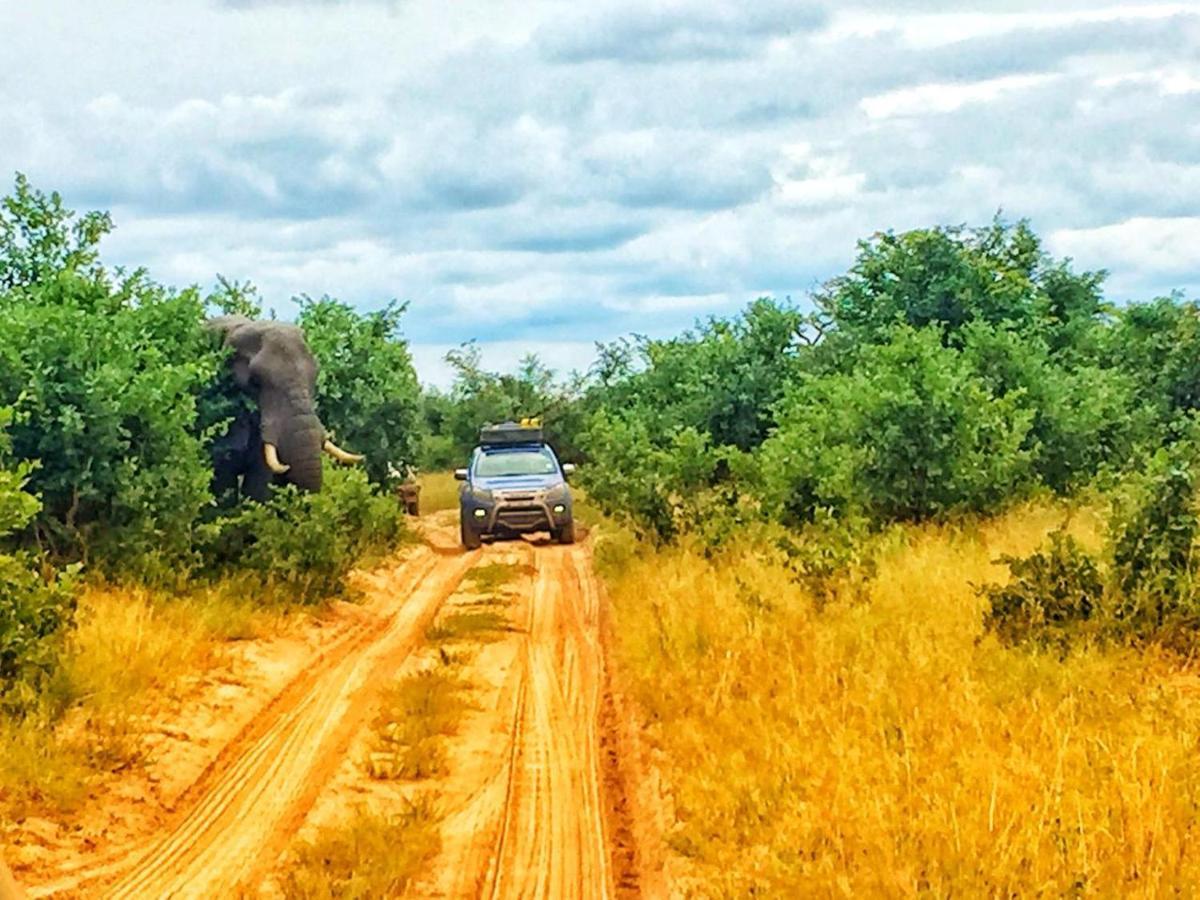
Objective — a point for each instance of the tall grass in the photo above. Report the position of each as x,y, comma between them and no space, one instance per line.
884,744
371,855
130,644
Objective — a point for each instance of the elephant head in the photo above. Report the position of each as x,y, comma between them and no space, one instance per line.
272,362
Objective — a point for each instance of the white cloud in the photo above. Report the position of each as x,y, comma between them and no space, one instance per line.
1162,246
544,174
943,98
1168,81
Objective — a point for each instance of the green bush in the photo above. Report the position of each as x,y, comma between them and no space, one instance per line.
478,396
1154,529
1157,344
910,432
301,546
949,278
1149,592
829,551
367,391
1050,595
103,377
722,378
35,604
1083,416
660,491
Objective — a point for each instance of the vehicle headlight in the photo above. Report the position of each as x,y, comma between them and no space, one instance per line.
483,494
480,512
558,492
559,508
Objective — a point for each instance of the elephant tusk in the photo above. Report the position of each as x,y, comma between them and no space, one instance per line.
341,455
271,455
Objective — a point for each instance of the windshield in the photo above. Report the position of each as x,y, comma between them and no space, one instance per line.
516,462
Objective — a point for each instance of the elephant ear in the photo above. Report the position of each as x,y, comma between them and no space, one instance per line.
243,338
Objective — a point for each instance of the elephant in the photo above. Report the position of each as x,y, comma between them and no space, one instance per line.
282,439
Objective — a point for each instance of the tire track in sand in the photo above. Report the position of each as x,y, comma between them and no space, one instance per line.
243,808
248,813
533,824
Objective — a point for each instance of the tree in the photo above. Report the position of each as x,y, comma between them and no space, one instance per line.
479,396
911,432
103,376
367,390
949,278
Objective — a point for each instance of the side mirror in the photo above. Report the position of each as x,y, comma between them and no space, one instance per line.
460,474
568,470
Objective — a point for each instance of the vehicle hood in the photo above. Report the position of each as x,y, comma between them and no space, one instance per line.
518,482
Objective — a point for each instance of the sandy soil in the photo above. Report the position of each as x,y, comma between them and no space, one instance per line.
536,799
526,815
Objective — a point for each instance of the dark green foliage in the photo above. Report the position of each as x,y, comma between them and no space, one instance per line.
367,391
669,422
1051,593
35,603
1158,345
1153,537
828,549
1083,415
722,379
1147,594
948,370
38,240
103,377
659,490
909,433
949,278
478,397
300,547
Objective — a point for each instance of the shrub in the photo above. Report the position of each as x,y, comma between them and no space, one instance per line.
1153,538
305,544
829,551
660,491
722,378
103,376
367,391
478,396
35,604
948,278
1158,345
1051,593
1083,415
911,432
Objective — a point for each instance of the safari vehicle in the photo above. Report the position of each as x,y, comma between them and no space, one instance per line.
514,485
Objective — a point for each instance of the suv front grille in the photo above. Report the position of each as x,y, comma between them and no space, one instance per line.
521,517
517,496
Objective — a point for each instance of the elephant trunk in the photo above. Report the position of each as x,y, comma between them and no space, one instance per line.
298,436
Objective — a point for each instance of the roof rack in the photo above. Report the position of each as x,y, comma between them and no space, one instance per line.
527,431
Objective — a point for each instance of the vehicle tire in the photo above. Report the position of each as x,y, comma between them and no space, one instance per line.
471,539
566,534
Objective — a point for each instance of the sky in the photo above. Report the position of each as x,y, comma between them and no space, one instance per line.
543,175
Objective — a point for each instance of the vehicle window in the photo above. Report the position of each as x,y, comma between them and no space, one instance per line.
516,462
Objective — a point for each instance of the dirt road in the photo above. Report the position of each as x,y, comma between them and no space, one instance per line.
526,811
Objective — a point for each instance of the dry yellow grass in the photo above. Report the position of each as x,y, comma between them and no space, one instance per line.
130,644
372,855
439,491
885,746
